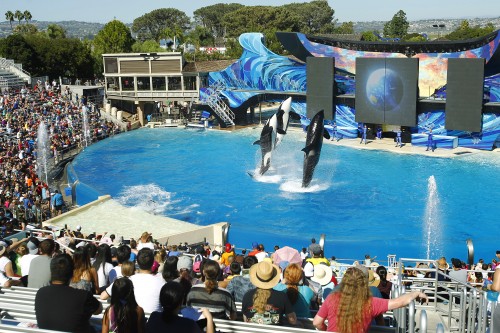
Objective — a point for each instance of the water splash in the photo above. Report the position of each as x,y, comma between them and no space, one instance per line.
42,152
87,139
432,220
150,198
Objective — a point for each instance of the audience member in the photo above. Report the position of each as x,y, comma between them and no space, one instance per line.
264,305
146,285
122,255
103,266
123,314
84,275
62,308
208,295
39,271
239,285
168,320
352,307
300,296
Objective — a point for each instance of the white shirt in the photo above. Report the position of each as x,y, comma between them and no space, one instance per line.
261,255
147,291
148,245
25,263
103,274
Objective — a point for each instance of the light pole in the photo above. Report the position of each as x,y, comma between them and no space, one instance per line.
439,27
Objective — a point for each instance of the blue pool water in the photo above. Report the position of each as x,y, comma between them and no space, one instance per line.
364,201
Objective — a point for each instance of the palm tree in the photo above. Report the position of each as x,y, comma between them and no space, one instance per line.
27,16
9,16
19,16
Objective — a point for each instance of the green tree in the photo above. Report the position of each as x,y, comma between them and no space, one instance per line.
17,48
313,17
465,31
9,16
397,27
114,37
55,31
26,29
346,28
27,16
153,24
211,17
369,36
200,36
146,46
19,16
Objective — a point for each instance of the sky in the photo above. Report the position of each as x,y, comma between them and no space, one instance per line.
103,11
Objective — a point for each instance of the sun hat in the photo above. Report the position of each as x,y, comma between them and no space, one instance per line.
322,274
184,262
264,275
2,250
373,279
309,269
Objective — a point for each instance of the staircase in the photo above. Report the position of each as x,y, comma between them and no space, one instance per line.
12,75
219,107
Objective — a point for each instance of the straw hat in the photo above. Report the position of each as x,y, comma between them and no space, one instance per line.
2,250
264,275
322,274
373,279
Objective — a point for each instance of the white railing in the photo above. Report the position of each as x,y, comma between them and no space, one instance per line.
219,107
16,69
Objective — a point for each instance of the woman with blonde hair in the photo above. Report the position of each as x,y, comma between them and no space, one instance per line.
264,305
208,295
352,308
300,296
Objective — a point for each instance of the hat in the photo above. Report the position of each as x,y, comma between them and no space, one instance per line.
78,227
322,274
264,275
197,267
373,279
316,249
228,247
309,269
2,250
255,245
32,248
362,268
184,262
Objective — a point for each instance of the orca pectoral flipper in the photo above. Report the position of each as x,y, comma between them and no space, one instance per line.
326,135
307,149
280,131
257,142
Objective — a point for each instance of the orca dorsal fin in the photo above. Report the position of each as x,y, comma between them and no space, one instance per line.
307,149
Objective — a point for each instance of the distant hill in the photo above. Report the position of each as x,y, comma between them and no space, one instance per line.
87,30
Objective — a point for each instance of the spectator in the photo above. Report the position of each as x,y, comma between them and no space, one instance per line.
170,271
146,285
209,295
127,270
39,272
84,275
6,270
122,255
457,273
62,308
103,266
384,286
263,305
239,285
145,241
57,202
317,257
168,320
123,315
262,253
228,252
354,301
300,296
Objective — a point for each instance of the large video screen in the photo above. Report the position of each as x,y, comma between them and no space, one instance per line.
464,95
320,86
386,91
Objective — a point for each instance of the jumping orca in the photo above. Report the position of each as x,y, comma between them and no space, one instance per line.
282,118
266,147
312,150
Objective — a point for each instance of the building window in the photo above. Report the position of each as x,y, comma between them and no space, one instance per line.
112,83
159,83
110,65
190,83
143,83
174,83
127,83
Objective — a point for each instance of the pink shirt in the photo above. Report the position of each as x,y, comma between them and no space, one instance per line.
330,307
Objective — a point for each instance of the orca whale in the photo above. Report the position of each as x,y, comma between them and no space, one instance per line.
282,119
312,150
266,147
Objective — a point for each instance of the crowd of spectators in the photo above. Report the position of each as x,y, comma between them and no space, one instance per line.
25,196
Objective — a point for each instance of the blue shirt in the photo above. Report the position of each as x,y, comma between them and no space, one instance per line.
57,199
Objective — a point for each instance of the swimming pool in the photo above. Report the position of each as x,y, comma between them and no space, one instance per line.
364,201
